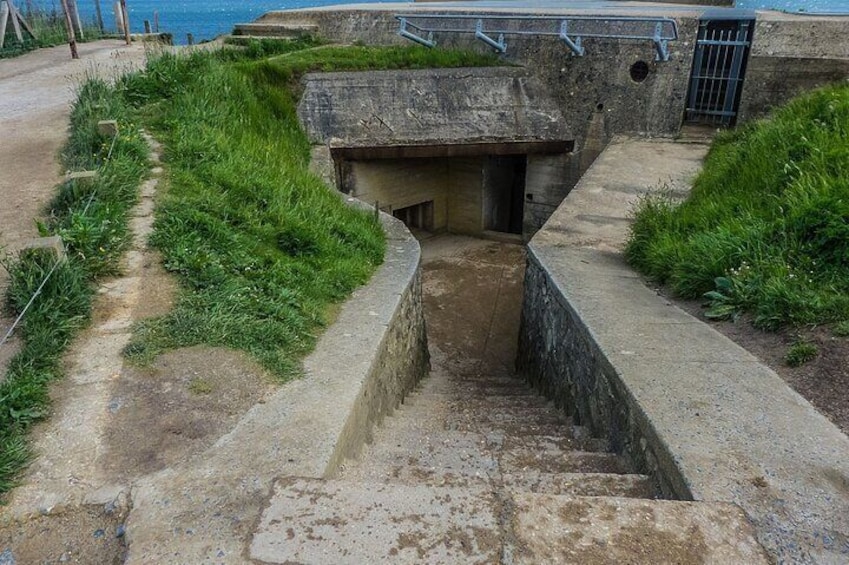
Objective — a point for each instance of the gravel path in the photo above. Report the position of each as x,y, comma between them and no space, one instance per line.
36,92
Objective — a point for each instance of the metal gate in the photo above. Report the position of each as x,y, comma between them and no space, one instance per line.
719,65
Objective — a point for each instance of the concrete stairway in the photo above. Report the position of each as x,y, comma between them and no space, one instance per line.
475,467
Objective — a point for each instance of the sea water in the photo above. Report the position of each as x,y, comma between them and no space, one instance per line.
206,19
802,6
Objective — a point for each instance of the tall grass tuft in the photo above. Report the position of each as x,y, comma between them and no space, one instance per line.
766,227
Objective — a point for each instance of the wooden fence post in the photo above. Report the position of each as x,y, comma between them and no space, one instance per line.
72,39
99,15
126,21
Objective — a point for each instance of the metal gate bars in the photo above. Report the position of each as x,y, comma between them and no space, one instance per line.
719,64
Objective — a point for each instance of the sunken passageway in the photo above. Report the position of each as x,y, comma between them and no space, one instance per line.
472,421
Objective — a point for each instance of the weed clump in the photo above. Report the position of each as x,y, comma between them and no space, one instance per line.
800,353
765,229
841,329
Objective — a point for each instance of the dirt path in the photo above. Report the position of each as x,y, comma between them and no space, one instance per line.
36,91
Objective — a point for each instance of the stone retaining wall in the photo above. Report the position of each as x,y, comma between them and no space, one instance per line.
559,356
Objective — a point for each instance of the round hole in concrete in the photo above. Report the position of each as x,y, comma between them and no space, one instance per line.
639,71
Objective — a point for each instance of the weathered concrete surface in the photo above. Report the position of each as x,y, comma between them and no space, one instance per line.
429,107
791,55
205,510
314,522
592,531
688,404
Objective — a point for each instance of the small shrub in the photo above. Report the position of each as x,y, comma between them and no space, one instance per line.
800,353
841,329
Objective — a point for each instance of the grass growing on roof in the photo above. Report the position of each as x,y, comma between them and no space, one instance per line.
766,227
262,247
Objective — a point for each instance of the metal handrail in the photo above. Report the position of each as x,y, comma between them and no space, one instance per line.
570,29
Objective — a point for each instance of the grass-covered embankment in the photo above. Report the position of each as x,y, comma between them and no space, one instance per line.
262,247
765,229
92,218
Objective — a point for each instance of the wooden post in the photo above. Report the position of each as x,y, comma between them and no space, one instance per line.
72,39
119,18
99,15
4,20
75,17
190,38
13,12
147,26
126,21
19,24
155,21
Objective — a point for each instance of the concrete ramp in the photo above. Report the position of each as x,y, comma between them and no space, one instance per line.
448,108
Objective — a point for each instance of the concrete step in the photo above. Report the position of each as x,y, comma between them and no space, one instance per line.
481,402
472,389
480,413
575,438
315,521
568,529
274,30
312,521
581,484
559,461
413,457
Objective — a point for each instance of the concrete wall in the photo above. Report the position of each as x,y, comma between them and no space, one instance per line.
361,368
596,94
559,356
549,179
465,195
397,184
790,55
455,185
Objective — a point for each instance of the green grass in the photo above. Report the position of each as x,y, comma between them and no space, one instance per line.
262,247
841,329
800,353
765,229
94,237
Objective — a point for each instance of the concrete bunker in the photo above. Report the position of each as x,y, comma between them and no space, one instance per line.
464,151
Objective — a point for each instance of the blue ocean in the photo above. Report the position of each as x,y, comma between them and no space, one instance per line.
206,19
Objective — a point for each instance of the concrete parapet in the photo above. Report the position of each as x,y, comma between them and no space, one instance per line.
791,55
430,107
704,416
